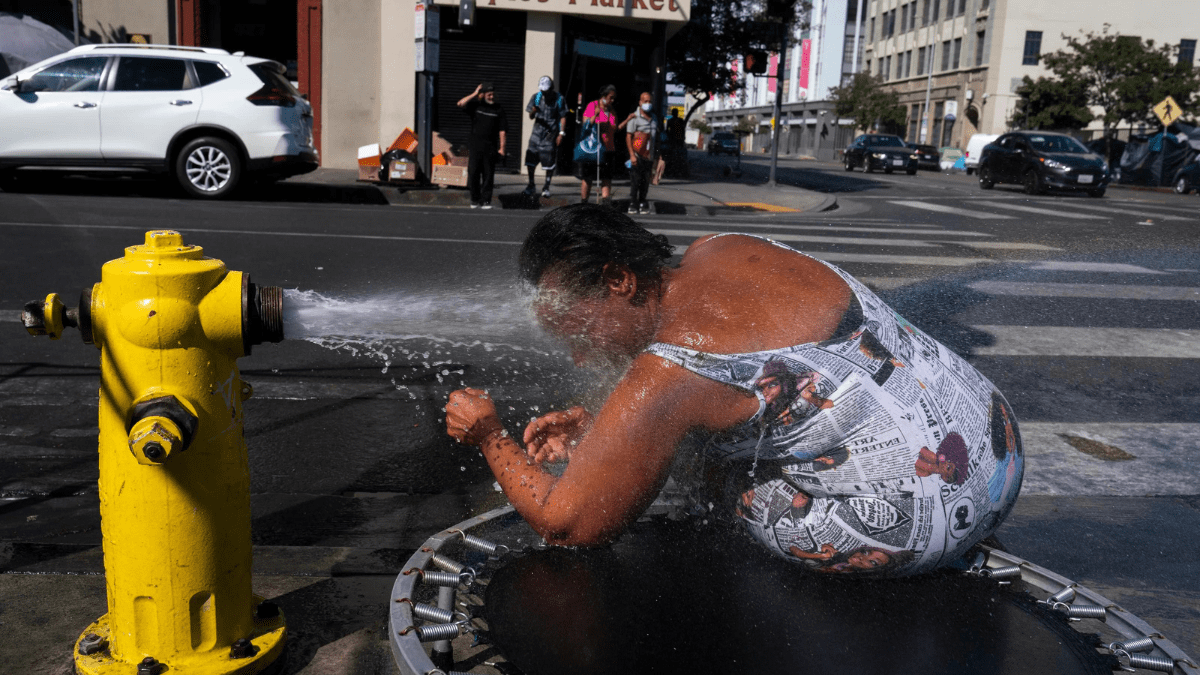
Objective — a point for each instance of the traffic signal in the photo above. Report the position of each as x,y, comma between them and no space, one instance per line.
466,13
756,62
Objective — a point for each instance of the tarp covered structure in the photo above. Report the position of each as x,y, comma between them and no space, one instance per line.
24,41
1157,159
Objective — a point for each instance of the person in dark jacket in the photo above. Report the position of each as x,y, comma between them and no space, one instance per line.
488,132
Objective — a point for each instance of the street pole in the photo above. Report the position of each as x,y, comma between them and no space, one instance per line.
926,127
75,12
858,19
784,29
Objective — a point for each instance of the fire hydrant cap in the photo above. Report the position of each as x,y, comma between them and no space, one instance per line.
164,243
153,439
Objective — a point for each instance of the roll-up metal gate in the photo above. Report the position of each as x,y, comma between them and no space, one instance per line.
466,63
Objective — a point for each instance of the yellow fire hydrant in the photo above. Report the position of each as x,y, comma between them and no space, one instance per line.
170,324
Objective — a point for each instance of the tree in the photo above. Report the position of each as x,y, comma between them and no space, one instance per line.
1051,104
1124,75
865,101
701,56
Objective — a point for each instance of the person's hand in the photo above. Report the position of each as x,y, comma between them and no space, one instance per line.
558,140
500,152
471,416
479,89
552,436
633,158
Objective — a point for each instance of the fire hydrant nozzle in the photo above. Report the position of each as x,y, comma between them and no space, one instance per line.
170,324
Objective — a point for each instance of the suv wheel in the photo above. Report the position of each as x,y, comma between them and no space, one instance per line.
208,168
1181,186
1033,183
849,166
1098,192
985,178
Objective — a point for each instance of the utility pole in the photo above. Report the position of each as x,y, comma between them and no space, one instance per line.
784,29
926,127
858,19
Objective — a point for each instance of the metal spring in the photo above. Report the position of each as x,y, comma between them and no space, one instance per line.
1142,644
482,545
1010,572
449,579
1082,611
1145,662
443,563
435,632
431,613
1065,595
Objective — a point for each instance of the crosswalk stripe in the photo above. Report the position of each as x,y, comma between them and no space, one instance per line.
1142,213
1056,468
1106,291
940,208
856,228
1043,212
1089,342
812,239
1082,266
883,259
1002,245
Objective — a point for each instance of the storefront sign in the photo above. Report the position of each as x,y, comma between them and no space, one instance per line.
805,59
658,10
427,30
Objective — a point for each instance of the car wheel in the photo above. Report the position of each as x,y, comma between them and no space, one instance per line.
849,166
1033,183
1181,186
985,178
1098,192
867,165
970,171
208,168
887,170
8,180
911,172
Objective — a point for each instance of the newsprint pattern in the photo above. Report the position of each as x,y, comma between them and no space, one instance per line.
878,452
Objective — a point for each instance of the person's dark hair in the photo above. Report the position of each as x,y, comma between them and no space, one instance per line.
582,238
606,90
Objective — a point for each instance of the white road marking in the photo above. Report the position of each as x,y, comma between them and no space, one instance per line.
1169,343
810,239
1107,291
884,259
1043,212
853,228
1140,212
1003,245
1079,266
940,208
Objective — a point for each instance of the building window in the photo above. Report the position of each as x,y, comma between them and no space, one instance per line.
979,48
885,67
983,4
962,7
1187,51
914,120
937,5
925,12
1033,48
921,61
935,131
871,31
946,55
957,53
947,132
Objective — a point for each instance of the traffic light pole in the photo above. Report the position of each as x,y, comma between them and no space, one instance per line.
780,69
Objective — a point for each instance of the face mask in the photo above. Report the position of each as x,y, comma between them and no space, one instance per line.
647,107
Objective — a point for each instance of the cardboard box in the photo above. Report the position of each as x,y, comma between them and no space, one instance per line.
368,172
440,146
459,160
368,162
448,174
402,170
406,141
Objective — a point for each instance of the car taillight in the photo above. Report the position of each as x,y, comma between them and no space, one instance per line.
271,95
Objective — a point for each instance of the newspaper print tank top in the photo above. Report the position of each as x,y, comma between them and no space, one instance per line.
878,451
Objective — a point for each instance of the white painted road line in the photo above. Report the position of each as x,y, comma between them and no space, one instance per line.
1080,266
1090,342
1131,212
1106,291
852,228
1002,245
1043,212
950,209
884,259
1162,463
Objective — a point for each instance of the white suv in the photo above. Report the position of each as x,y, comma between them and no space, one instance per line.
205,116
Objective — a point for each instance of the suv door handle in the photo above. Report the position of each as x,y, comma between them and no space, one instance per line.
85,104
180,101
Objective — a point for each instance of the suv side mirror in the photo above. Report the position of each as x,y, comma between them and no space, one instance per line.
20,86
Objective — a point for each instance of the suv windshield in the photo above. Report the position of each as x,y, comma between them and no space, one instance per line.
723,136
884,140
1057,144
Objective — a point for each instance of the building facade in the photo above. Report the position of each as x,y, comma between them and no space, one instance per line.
968,57
357,60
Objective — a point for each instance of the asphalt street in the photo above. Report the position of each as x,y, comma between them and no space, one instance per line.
1083,311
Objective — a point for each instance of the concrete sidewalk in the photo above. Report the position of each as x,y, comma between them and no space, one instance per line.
713,187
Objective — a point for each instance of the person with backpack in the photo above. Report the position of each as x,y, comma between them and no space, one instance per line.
548,110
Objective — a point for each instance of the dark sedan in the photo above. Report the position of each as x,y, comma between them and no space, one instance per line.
724,142
880,151
1039,161
1188,178
928,157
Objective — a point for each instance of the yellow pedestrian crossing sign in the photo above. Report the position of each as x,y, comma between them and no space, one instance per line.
1168,111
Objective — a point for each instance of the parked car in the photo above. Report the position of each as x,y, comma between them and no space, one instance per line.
880,151
724,142
206,117
927,156
949,157
1040,160
1188,178
974,151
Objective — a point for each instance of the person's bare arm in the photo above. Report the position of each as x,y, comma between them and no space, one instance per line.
462,103
503,137
633,158
618,467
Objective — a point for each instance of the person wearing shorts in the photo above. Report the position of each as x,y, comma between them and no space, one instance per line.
548,110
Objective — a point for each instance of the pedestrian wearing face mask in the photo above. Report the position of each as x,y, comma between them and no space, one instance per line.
548,110
488,125
641,132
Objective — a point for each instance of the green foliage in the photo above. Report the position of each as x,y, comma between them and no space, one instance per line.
717,35
745,126
866,102
699,124
1125,76
1051,104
